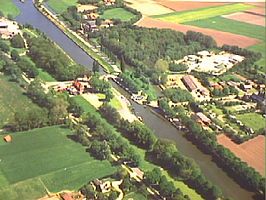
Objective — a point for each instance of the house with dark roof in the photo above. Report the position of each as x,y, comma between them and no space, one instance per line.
90,26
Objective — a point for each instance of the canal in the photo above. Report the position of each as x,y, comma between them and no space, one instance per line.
162,128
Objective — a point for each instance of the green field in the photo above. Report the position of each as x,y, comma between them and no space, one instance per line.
12,100
252,120
204,13
117,13
8,7
47,157
62,5
232,26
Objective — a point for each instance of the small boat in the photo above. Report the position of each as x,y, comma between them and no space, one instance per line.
140,118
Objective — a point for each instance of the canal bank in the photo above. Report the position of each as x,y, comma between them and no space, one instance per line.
161,127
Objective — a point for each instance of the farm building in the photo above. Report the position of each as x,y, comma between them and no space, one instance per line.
8,138
107,23
66,196
109,2
8,28
189,83
209,62
245,87
203,119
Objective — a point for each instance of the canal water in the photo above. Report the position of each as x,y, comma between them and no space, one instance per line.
162,128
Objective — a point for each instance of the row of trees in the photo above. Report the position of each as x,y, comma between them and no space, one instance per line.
52,59
137,132
52,109
104,139
166,154
166,188
177,95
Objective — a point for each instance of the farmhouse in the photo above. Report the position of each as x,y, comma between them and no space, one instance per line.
189,83
8,138
107,23
90,26
102,186
92,16
8,28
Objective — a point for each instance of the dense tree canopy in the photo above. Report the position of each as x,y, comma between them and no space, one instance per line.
53,60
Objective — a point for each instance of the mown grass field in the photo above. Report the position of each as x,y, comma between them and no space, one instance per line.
62,5
232,26
145,165
8,7
252,120
204,13
45,156
117,13
12,99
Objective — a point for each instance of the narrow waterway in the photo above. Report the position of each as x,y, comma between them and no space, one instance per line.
162,128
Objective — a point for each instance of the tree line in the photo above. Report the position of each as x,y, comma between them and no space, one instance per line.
47,56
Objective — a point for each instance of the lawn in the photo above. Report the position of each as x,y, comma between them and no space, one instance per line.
252,120
45,156
62,5
12,99
117,13
204,13
232,26
8,7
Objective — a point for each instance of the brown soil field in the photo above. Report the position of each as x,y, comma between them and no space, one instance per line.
257,10
187,5
252,152
247,17
220,37
148,7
